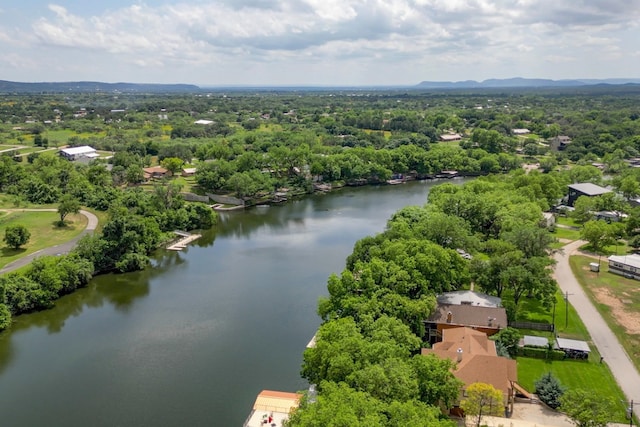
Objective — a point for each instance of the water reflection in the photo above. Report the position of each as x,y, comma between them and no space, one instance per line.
198,335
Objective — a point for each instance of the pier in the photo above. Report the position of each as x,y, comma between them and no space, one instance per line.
183,241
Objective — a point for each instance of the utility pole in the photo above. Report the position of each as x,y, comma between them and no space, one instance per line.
630,411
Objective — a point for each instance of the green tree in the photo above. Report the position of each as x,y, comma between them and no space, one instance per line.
599,234
173,164
509,338
482,400
583,209
68,205
587,409
5,317
16,236
549,390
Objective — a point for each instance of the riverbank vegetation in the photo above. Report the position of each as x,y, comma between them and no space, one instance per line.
396,274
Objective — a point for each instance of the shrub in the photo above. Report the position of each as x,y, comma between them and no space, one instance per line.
549,390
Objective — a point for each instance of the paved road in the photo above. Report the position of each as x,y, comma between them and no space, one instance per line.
62,248
614,355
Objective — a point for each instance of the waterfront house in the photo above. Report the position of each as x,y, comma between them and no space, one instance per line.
476,362
272,408
465,308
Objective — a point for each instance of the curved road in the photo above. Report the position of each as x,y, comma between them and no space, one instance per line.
614,355
62,248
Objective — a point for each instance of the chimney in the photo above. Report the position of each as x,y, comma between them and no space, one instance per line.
449,317
459,352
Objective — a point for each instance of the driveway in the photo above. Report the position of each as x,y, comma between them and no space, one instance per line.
614,355
62,248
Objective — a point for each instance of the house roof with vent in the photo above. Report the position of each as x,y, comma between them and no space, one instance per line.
470,315
476,359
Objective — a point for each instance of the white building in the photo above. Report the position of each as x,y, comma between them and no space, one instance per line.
74,153
625,265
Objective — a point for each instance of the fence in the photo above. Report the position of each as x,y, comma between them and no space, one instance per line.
532,325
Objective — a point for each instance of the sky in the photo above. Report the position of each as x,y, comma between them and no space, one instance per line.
317,42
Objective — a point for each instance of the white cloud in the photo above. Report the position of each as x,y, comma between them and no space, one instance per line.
487,33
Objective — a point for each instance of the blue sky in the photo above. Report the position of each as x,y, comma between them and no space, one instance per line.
317,42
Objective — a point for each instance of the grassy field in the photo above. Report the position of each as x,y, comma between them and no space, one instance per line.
589,375
616,298
44,232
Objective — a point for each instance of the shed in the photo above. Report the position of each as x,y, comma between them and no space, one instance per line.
574,349
533,341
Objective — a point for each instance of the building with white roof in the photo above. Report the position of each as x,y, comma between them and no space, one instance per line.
74,153
625,265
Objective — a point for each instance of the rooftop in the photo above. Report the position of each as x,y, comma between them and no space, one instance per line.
589,189
567,344
83,149
632,260
470,315
469,298
272,404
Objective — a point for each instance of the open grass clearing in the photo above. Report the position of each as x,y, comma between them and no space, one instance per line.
44,231
566,233
616,298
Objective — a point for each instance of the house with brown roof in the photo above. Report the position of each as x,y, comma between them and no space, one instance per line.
477,362
466,308
155,172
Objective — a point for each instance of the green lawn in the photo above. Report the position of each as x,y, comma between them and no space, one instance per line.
590,375
622,298
566,233
44,232
565,220
532,310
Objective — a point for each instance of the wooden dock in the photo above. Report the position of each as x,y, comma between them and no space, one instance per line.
185,239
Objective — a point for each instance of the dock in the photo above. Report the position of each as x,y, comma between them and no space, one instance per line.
185,239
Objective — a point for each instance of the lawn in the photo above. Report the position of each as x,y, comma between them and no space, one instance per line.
44,232
566,233
616,298
567,322
591,376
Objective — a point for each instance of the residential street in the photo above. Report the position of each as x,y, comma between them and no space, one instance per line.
606,342
62,248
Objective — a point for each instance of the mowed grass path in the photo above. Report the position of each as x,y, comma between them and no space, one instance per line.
44,231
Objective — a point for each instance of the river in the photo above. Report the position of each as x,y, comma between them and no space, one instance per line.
193,340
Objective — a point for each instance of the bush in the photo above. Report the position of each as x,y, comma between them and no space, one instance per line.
549,390
541,353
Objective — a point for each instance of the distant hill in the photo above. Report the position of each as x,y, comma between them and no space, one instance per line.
58,87
522,82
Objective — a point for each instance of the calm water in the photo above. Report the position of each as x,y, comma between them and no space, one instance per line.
193,340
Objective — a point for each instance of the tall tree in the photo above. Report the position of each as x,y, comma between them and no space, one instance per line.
68,205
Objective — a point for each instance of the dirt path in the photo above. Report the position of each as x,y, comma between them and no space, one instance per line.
614,355
62,248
